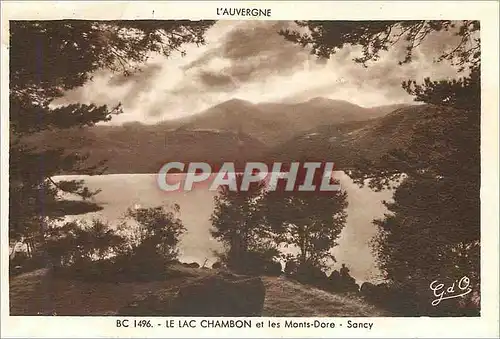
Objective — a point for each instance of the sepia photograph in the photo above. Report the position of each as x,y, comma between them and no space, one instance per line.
245,168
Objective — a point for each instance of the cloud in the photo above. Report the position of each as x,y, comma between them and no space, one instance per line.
214,80
253,51
380,82
251,61
141,79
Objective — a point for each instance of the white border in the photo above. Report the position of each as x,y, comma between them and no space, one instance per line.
486,11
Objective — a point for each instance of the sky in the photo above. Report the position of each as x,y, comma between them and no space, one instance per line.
249,60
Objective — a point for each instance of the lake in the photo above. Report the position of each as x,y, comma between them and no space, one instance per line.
121,191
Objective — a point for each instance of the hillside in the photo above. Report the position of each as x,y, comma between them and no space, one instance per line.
236,131
137,148
38,293
345,143
287,298
274,123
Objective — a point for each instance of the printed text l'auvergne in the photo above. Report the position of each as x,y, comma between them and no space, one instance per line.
255,12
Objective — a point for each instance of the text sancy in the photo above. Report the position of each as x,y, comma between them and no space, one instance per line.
295,176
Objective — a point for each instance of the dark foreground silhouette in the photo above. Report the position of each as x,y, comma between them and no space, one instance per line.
219,295
188,291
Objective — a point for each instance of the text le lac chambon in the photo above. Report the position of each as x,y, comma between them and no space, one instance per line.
255,12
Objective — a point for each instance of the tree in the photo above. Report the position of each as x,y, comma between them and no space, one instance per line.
79,243
156,233
237,222
48,58
435,215
326,38
308,221
432,228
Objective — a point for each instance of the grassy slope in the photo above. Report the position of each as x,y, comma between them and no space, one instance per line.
287,298
37,291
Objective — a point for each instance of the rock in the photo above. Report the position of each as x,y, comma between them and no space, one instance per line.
334,282
221,295
377,293
309,274
354,287
350,285
368,289
254,264
217,265
191,265
273,268
335,275
383,288
290,267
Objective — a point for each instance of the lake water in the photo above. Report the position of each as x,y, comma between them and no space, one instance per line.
121,191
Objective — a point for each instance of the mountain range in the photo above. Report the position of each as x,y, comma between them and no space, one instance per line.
239,131
263,121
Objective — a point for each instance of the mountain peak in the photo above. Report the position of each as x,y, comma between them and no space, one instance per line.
234,105
326,101
235,101
319,99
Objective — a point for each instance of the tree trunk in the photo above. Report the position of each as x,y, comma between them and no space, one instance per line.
29,249
303,250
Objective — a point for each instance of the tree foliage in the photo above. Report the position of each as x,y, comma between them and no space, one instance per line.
257,224
76,242
326,38
432,229
48,58
308,222
237,222
156,233
140,248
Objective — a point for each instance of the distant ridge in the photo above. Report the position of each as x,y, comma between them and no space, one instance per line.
262,121
235,130
347,142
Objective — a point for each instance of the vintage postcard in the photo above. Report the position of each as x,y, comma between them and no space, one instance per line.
234,169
